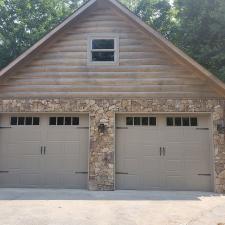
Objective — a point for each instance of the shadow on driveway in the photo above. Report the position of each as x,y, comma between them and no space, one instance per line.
71,194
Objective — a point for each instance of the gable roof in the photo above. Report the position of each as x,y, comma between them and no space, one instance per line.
218,84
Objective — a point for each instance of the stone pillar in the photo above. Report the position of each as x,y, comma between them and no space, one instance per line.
219,146
101,155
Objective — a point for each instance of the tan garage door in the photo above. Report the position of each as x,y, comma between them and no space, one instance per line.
44,151
168,152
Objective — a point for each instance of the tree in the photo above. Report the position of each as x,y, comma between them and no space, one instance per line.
24,22
157,13
200,32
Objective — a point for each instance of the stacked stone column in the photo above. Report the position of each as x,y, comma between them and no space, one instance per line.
101,156
219,149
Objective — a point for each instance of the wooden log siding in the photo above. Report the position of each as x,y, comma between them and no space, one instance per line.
144,69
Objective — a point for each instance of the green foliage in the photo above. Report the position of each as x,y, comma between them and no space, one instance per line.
195,26
201,32
23,22
131,4
157,13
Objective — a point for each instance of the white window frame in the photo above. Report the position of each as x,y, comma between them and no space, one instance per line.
103,37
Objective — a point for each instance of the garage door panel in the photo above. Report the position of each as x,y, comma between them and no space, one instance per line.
130,166
54,148
131,150
22,163
175,182
66,156
150,181
77,181
150,150
196,167
30,163
65,180
14,162
63,134
174,151
9,180
22,154
174,166
52,178
24,148
193,135
27,134
62,148
4,135
196,183
73,147
144,133
172,134
193,151
187,153
58,162
29,179
128,182
81,166
3,162
150,165
73,163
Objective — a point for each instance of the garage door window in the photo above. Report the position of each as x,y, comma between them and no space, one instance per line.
182,121
137,121
25,121
141,121
64,121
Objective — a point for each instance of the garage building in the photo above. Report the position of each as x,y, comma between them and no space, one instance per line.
104,102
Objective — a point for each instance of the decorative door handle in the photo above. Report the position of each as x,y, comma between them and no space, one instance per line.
44,150
160,151
164,151
41,149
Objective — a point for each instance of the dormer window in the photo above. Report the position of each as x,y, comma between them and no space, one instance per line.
103,50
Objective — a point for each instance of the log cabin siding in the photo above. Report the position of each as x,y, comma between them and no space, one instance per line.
144,69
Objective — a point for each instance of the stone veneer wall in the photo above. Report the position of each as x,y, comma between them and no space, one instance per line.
101,155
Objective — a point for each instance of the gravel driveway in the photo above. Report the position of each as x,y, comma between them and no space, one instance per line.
79,207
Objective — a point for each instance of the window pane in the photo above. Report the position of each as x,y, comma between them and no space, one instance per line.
130,121
60,121
144,121
103,56
137,121
103,44
194,122
76,121
178,121
152,121
21,120
68,120
36,121
52,121
28,121
185,121
13,121
169,121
